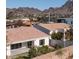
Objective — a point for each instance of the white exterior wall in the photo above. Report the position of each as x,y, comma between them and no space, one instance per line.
24,48
59,30
54,42
19,51
47,41
8,50
36,42
69,20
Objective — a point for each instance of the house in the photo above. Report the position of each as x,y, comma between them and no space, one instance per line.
21,39
18,22
65,20
26,21
52,27
9,23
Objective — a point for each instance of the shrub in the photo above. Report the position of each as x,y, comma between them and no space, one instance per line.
43,50
57,36
57,47
36,51
32,52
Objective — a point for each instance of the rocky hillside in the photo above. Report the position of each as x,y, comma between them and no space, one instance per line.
65,10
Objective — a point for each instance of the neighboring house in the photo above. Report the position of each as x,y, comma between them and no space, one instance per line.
8,20
20,39
52,27
9,24
65,20
35,19
25,21
14,23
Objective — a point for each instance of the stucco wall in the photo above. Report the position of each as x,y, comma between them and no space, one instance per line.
36,41
19,51
55,42
69,20
24,46
8,50
66,20
60,42
59,30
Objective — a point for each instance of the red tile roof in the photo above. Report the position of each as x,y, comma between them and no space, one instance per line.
55,26
23,33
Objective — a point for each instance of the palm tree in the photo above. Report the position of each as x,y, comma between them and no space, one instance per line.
69,34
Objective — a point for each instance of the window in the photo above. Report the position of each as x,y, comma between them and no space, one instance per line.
65,21
71,22
16,46
42,42
59,21
29,44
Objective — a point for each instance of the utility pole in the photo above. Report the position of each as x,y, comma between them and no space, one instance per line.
49,17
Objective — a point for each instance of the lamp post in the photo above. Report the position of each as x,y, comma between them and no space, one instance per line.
64,40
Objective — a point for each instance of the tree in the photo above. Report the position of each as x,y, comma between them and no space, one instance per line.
10,15
69,34
57,36
19,23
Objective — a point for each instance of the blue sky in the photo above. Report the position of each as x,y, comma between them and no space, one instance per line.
40,4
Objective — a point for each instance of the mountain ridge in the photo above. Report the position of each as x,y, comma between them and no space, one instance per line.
65,10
